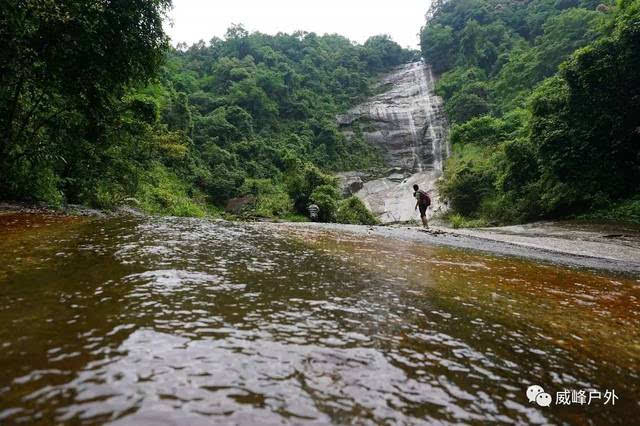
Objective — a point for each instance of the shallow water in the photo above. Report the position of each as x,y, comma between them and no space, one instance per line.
175,321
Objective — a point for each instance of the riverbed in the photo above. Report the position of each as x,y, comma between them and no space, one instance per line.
143,320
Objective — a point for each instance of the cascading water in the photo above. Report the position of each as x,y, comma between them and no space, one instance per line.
416,142
407,123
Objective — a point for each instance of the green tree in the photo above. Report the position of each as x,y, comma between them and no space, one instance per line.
484,130
63,71
466,186
302,180
544,106
438,44
381,53
466,105
589,149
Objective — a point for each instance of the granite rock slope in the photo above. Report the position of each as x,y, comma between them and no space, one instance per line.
407,122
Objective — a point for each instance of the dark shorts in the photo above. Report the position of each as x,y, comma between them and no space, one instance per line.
423,209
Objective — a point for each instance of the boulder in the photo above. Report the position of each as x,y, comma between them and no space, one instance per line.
351,182
238,204
355,185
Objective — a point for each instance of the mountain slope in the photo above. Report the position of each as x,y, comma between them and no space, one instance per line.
541,128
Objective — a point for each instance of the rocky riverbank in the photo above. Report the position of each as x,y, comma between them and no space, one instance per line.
67,210
595,246
612,248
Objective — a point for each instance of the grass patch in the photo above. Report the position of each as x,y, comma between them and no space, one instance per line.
458,221
294,217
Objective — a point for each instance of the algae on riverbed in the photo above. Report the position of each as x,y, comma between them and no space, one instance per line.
594,314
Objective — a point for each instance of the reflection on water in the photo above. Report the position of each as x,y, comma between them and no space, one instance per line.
188,321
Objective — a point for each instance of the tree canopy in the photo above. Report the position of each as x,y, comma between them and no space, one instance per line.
96,107
544,105
64,69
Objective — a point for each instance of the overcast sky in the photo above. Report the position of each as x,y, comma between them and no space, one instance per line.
195,20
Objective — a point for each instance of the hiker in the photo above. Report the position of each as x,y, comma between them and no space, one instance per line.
313,212
422,201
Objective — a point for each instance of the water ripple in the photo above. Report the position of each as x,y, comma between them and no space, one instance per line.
176,321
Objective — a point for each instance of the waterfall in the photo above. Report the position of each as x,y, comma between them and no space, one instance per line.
415,146
407,123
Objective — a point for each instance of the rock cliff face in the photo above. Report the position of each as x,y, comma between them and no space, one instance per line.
407,123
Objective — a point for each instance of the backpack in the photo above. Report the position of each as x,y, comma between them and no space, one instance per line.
424,198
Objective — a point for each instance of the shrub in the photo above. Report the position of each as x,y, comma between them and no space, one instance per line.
224,183
106,195
463,106
459,221
45,187
32,181
272,199
276,204
625,211
469,177
454,80
164,193
302,181
466,188
326,197
485,130
353,211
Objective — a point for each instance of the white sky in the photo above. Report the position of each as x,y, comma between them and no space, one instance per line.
195,20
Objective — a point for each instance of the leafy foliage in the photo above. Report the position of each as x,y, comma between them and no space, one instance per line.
326,198
64,69
468,179
544,101
353,211
485,130
301,182
96,108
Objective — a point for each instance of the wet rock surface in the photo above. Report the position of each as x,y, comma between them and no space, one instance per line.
613,242
351,182
75,210
407,123
565,243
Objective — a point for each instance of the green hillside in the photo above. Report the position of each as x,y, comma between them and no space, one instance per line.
544,101
106,111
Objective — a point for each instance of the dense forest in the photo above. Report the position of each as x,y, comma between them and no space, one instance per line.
98,109
544,101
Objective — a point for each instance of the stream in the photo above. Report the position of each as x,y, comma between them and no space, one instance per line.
186,321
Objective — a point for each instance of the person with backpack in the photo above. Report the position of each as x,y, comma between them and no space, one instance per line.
422,201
